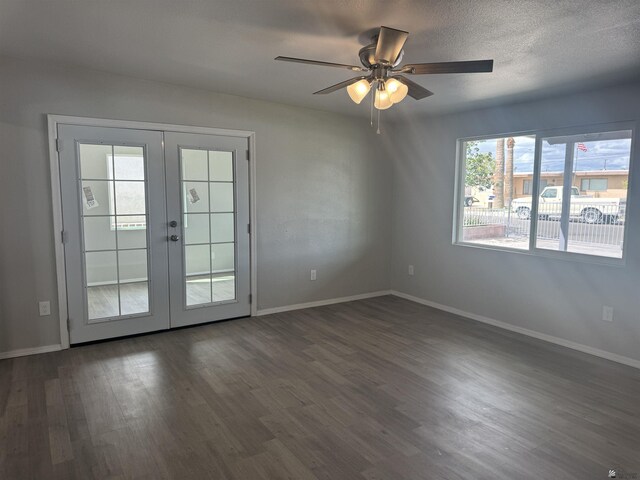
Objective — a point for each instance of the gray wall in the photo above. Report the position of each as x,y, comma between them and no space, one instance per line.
327,191
323,188
559,298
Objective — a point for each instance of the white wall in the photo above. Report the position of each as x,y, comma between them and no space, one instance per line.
559,298
323,188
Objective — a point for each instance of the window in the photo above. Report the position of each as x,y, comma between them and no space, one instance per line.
594,184
551,193
128,192
527,186
571,214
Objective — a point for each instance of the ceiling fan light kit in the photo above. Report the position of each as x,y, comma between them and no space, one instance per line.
359,90
382,99
380,60
397,90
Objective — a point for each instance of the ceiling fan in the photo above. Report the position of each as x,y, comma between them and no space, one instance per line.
380,61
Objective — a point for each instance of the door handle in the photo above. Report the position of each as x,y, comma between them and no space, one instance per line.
174,238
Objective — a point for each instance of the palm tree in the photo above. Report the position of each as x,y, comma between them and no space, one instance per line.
508,176
498,177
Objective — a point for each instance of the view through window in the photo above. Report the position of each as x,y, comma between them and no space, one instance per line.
128,192
582,192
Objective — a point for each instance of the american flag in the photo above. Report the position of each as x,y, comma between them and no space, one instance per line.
582,147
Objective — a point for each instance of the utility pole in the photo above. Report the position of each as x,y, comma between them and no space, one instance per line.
508,177
498,182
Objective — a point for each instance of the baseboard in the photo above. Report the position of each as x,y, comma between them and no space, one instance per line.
320,303
30,351
524,331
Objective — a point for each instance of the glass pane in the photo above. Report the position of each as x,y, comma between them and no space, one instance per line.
130,222
598,166
96,197
224,287
94,161
194,164
223,257
197,260
98,233
132,265
597,213
198,278
496,208
202,196
129,163
196,228
102,301
134,298
550,194
130,198
195,197
198,290
132,231
596,184
101,268
221,197
222,228
220,166
115,218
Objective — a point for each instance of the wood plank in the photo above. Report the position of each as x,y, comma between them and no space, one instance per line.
381,388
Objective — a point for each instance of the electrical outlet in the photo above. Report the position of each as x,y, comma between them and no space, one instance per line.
607,313
410,269
45,308
313,275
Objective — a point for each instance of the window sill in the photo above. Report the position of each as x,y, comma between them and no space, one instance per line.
550,254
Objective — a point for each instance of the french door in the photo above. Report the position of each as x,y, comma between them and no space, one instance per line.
155,229
208,212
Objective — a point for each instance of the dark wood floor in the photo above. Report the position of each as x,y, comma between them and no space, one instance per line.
375,389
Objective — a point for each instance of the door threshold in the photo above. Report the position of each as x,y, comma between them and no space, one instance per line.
154,332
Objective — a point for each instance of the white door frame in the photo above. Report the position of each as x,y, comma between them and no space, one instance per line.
53,122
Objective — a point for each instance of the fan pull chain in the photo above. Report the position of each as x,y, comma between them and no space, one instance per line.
373,96
378,131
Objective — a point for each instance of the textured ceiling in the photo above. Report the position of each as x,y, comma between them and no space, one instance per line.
540,47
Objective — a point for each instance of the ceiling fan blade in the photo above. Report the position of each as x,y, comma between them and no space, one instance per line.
338,86
390,43
472,66
416,91
353,68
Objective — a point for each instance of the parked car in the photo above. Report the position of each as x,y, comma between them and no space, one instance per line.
470,200
587,209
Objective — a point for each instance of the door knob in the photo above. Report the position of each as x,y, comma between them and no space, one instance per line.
174,238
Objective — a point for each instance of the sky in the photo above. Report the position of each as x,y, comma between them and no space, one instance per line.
600,155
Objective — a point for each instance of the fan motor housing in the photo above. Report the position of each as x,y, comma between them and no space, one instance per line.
367,55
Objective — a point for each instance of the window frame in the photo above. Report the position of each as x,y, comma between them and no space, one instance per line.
589,180
458,201
530,183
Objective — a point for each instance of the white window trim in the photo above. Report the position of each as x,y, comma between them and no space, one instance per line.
458,201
